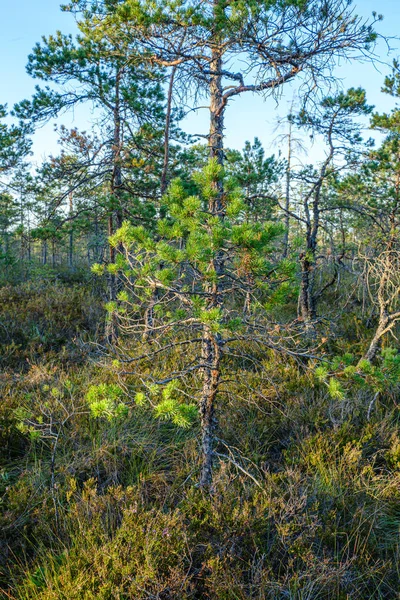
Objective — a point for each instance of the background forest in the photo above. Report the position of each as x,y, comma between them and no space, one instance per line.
199,357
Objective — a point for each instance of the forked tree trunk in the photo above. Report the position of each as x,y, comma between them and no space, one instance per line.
388,268
387,319
307,296
376,342
385,325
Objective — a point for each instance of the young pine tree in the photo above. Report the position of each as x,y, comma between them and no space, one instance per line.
198,313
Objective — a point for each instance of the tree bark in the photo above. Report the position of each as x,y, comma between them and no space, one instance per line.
307,296
111,329
211,342
307,299
385,325
44,252
71,234
116,214
287,194
149,314
387,320
164,175
374,346
211,373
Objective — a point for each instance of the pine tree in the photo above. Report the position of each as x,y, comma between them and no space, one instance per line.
198,312
279,40
125,94
258,176
337,122
14,143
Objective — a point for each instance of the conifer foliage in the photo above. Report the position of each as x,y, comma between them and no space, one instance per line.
216,275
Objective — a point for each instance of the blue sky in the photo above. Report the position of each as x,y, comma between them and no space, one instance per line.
23,22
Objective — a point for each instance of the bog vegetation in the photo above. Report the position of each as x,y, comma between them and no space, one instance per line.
199,358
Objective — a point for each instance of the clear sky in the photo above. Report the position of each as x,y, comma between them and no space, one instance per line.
23,22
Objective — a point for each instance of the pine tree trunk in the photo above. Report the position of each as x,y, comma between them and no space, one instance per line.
96,251
71,250
287,194
211,342
373,347
304,309
29,239
307,299
116,183
164,175
44,252
111,329
149,314
71,234
112,326
384,326
211,371
7,243
307,296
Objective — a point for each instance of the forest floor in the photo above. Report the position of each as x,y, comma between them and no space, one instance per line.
305,502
